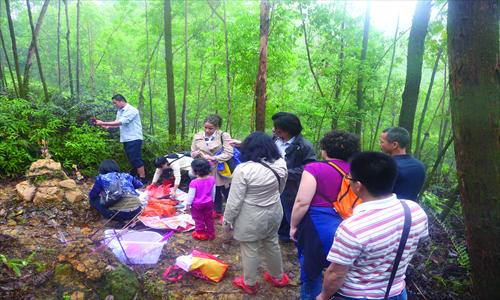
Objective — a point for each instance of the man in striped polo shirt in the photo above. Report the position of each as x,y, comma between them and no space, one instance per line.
366,244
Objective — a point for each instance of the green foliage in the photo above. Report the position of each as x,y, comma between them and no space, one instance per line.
432,201
23,124
16,263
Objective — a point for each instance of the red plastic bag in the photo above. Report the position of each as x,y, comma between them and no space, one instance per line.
158,210
157,192
153,201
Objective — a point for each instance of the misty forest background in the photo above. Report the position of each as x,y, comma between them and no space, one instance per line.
177,61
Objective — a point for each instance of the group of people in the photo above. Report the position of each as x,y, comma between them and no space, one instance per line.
281,191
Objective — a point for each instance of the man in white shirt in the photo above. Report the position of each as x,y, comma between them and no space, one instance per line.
129,122
366,244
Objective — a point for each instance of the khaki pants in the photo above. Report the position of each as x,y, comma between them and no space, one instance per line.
250,258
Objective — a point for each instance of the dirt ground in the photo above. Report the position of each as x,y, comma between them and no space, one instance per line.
30,240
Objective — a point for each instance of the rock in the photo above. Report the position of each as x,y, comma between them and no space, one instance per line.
44,169
63,271
43,182
46,194
77,295
121,282
73,196
68,185
71,192
25,191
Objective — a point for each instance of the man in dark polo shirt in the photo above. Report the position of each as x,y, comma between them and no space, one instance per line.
411,171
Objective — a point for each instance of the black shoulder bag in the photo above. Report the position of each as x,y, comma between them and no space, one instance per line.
402,244
275,173
113,193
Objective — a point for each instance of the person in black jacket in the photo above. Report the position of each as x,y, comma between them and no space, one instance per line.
297,152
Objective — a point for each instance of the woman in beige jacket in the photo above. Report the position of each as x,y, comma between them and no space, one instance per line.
207,144
253,211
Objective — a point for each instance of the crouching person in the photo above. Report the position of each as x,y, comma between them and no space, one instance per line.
177,162
366,245
125,209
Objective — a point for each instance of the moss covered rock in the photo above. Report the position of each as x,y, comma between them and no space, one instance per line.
121,282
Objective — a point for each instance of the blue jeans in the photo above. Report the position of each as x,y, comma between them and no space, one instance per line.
121,216
284,230
402,296
311,288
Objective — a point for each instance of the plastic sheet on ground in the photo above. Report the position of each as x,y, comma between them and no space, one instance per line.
182,222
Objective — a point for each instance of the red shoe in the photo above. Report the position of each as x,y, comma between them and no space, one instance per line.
220,220
240,282
277,282
215,215
199,236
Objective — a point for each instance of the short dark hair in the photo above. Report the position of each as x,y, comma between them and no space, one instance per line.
376,171
340,144
257,146
118,97
287,122
397,134
213,119
160,161
108,166
201,166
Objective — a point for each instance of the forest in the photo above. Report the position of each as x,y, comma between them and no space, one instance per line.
178,61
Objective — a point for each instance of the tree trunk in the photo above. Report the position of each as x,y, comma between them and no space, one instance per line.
68,32
375,135
426,134
91,61
59,45
172,130
450,203
143,81
215,70
78,5
424,110
22,93
309,55
359,91
473,51
184,101
151,125
261,83
414,67
31,49
338,82
228,76
429,177
38,61
92,72
444,120
8,64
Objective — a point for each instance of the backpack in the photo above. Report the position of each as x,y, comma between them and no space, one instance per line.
346,199
113,193
226,168
177,157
